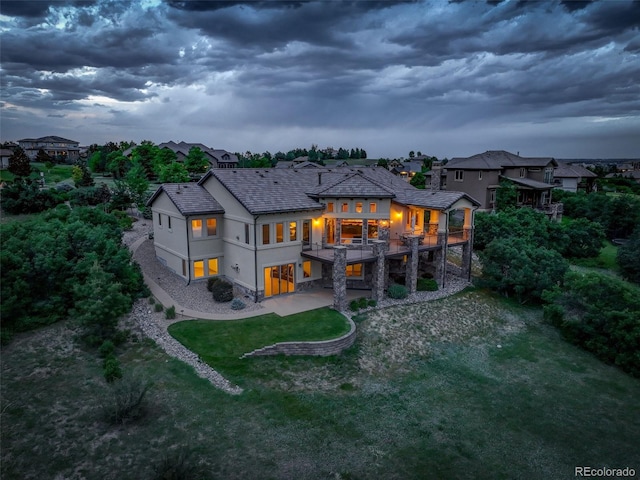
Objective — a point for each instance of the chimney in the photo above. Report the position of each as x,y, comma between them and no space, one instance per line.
436,172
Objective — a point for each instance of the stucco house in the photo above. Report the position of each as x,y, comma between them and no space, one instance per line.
217,158
277,231
55,147
479,176
574,178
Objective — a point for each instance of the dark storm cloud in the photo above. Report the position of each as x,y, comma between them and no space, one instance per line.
316,64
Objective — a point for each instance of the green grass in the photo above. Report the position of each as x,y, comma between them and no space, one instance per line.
221,343
57,173
533,408
605,260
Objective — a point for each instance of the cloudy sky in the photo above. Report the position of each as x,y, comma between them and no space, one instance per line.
556,78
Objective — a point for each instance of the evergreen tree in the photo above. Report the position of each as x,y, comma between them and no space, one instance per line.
196,162
19,163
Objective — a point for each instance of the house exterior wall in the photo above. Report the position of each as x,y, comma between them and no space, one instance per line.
170,243
474,183
568,184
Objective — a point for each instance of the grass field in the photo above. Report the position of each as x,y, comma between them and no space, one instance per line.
606,260
465,387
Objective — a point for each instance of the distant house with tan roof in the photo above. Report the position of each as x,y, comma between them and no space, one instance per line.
217,158
278,231
479,176
56,147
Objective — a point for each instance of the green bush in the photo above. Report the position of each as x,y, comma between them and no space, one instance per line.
158,307
124,220
362,302
170,313
354,306
112,370
237,304
152,300
211,282
600,313
222,291
427,285
372,302
397,291
107,348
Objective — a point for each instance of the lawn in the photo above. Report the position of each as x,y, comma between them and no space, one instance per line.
466,387
606,260
224,342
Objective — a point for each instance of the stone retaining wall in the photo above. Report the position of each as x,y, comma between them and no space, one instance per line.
322,348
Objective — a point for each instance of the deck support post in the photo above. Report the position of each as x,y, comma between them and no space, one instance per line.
340,278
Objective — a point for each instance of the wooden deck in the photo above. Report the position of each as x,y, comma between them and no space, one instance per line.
397,248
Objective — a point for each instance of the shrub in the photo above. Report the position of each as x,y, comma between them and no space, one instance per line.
354,306
107,348
237,304
211,282
124,220
125,400
152,300
372,302
397,291
158,307
222,291
427,285
112,370
362,302
177,465
170,313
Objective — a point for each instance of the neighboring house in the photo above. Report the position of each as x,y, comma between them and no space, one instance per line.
5,153
276,231
479,176
574,178
55,147
293,164
631,174
216,157
407,169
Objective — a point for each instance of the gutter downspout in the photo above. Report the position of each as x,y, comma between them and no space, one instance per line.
255,252
188,254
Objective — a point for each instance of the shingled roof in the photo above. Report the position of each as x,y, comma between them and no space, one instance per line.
263,191
497,160
189,198
572,171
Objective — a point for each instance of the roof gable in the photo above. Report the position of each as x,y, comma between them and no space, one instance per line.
497,160
189,198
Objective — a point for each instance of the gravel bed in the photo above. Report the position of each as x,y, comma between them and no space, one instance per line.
195,295
150,323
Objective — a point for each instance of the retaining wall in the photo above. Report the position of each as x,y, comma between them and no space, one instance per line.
322,348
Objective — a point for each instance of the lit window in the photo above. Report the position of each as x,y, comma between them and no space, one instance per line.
212,263
279,232
265,234
198,269
373,207
293,231
196,228
358,207
306,269
459,175
211,226
330,207
345,207
354,270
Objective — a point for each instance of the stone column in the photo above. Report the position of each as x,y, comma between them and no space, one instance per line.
383,234
440,259
466,260
340,278
411,274
379,270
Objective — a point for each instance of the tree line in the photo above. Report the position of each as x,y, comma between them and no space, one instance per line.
526,256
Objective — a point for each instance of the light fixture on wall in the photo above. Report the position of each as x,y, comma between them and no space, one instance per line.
236,267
